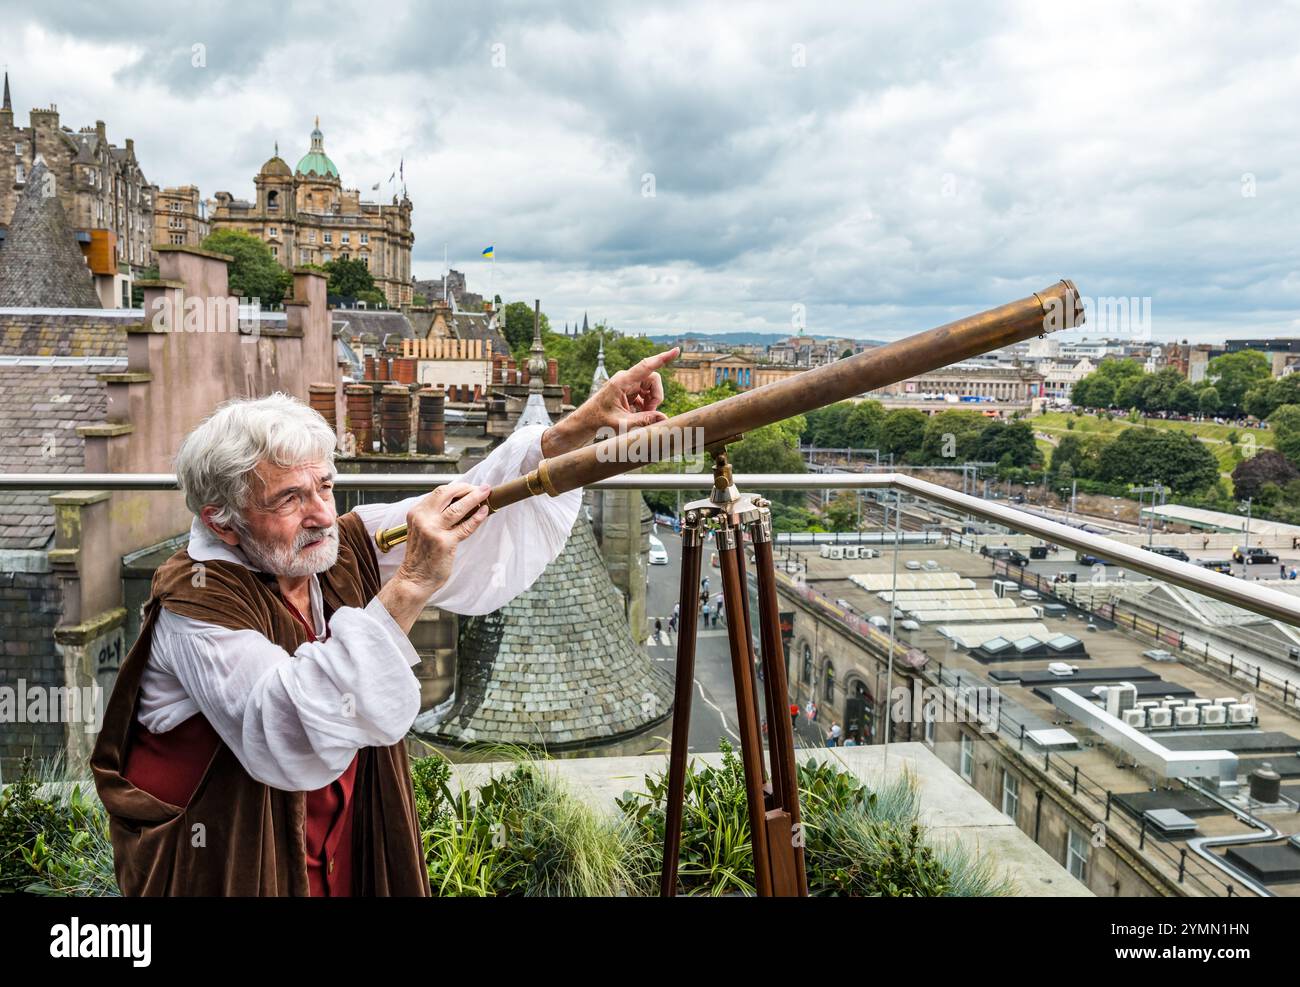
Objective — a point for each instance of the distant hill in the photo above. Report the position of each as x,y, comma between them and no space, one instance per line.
725,339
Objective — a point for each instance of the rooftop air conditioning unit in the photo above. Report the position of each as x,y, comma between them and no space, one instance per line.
1241,713
835,552
1120,698
1213,716
1159,717
1169,702
851,551
1062,668
1197,701
1135,717
1187,716
1225,700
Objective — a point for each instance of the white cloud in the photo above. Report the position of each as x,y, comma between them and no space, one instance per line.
922,162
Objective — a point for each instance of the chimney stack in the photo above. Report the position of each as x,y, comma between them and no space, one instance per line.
361,417
395,434
322,398
431,432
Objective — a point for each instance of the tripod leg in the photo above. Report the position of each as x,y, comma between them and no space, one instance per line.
692,542
780,731
742,670
749,635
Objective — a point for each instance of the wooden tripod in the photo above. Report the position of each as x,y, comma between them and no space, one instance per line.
775,832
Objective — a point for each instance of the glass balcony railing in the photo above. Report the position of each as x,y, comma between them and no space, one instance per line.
1135,716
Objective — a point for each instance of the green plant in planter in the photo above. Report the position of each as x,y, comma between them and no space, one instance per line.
716,857
53,844
523,833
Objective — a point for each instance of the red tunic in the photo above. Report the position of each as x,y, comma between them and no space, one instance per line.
169,766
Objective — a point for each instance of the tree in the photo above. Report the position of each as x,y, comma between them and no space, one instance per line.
1208,401
1267,396
1233,374
1011,440
1266,466
1285,421
254,273
842,512
349,278
952,436
902,431
1099,388
828,427
518,327
1183,398
862,424
1179,460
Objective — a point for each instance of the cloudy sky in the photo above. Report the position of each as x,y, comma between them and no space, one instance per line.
707,167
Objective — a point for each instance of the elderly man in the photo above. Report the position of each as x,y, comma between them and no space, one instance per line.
253,744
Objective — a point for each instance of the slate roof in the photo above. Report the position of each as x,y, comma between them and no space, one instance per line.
41,405
40,262
557,665
383,324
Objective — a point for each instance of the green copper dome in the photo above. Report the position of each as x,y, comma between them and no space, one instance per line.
316,161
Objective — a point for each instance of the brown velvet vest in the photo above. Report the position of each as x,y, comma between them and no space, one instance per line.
238,836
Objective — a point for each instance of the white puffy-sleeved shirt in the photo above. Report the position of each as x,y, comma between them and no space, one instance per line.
295,721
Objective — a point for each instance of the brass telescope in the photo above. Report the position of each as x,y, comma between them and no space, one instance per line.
1053,309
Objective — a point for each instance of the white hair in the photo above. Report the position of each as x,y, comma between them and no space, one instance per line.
215,461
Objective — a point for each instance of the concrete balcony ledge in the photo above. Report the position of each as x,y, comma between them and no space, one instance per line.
949,806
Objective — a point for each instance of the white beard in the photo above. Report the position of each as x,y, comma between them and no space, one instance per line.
290,562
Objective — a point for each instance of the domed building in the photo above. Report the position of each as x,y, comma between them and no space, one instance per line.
306,216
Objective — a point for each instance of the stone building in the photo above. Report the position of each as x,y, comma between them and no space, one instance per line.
41,263
181,217
699,371
306,216
105,196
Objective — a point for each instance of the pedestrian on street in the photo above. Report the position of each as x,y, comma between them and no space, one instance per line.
794,714
704,584
659,629
717,606
835,734
704,612
1281,571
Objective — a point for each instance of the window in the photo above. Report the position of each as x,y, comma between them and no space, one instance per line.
272,231
967,757
365,238
1076,856
329,237
807,664
326,257
18,150
311,236
178,238
828,687
174,206
275,253
345,238
1010,794
19,175
305,257
365,259
929,726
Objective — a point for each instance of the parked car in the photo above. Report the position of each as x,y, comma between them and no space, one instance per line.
912,564
1217,565
1004,554
1254,556
658,554
909,625
930,565
1169,552
878,622
1087,558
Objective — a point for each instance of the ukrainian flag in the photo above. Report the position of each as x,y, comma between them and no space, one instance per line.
488,253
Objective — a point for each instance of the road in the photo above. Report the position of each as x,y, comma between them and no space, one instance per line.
713,704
